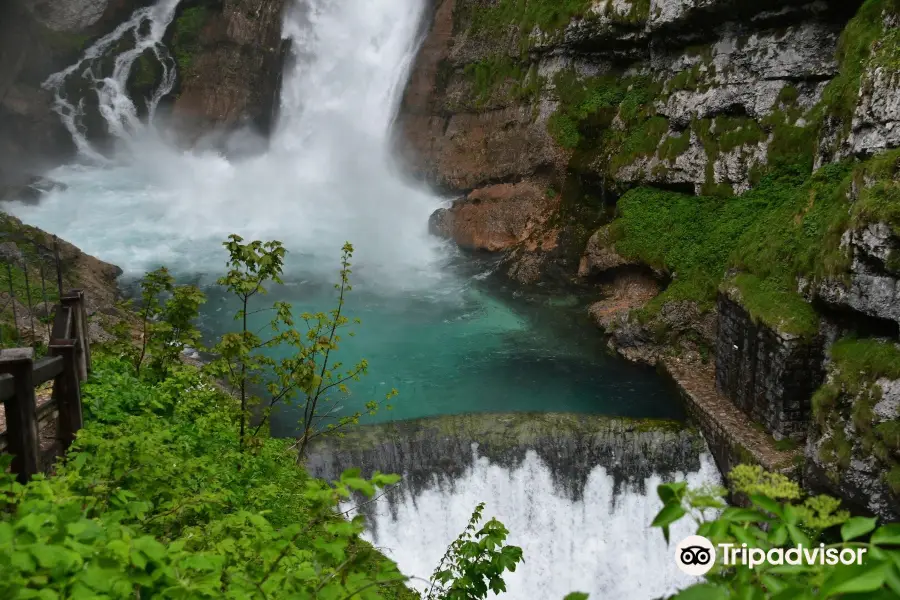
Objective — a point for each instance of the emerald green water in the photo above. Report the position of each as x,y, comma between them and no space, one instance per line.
472,346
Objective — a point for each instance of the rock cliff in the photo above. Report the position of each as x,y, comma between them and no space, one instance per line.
722,174
37,38
230,55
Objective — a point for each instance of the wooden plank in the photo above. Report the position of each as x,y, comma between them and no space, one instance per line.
67,391
62,323
21,412
44,370
75,301
7,387
44,412
47,368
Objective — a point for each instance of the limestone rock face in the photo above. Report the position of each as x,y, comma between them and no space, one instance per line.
37,38
600,255
234,76
67,15
859,477
874,285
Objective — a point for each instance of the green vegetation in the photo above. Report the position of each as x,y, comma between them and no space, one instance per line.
186,39
878,181
849,396
780,308
502,77
146,72
855,49
587,108
781,517
496,19
787,226
156,498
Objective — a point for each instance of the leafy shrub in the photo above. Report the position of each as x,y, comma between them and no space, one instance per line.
780,516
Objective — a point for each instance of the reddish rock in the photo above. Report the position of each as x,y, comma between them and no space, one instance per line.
234,76
498,217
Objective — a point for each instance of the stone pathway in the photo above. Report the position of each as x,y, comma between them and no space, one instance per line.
722,423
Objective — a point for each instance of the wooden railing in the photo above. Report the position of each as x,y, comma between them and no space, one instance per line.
67,364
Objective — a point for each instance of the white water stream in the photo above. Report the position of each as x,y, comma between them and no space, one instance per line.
326,178
600,544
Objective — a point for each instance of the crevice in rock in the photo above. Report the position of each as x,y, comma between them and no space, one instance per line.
852,322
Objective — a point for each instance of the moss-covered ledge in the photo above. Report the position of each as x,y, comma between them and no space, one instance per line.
853,449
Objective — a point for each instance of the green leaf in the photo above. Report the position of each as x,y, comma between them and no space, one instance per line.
856,578
766,503
798,536
887,535
857,527
576,596
744,515
669,514
703,591
671,492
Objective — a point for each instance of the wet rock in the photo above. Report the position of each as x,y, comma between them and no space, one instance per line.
67,15
494,218
626,293
678,327
32,190
234,75
442,448
600,255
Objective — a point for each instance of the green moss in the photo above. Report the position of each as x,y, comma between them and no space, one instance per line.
587,108
64,42
863,34
879,196
186,39
851,394
798,227
495,20
892,478
892,264
788,226
501,77
778,307
564,130
641,140
734,132
674,146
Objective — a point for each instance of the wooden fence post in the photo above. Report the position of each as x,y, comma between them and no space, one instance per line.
67,392
75,301
21,412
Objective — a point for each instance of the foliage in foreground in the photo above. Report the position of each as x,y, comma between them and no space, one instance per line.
780,516
156,500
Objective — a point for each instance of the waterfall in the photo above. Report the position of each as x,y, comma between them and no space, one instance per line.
601,544
145,29
326,178
576,492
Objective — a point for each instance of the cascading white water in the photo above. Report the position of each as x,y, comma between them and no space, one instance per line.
601,544
326,178
147,26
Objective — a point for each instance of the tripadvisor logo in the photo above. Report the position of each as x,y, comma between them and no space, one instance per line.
696,555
